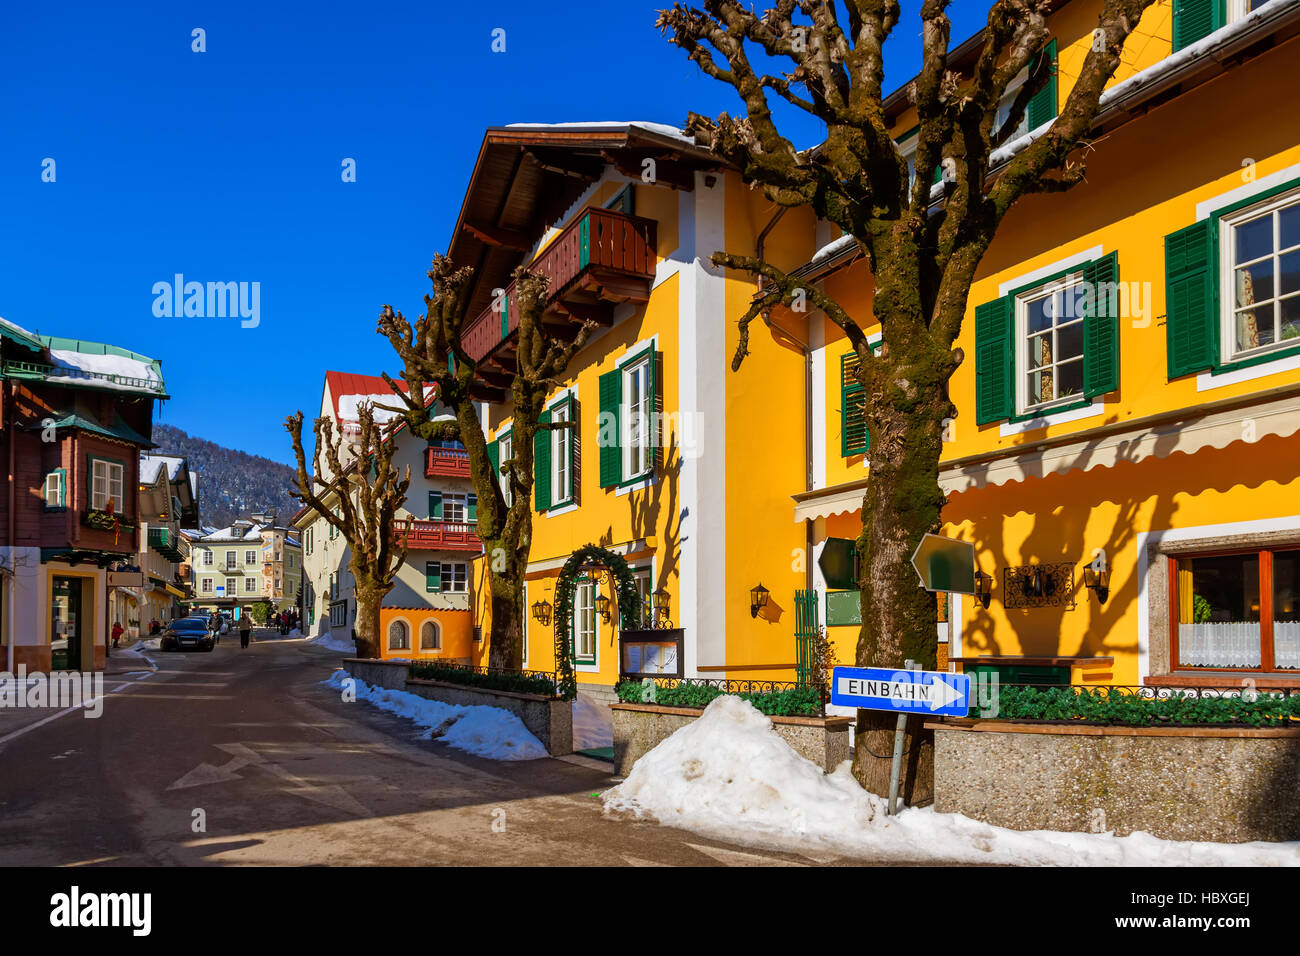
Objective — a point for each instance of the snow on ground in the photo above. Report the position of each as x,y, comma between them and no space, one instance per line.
483,731
593,725
328,641
729,775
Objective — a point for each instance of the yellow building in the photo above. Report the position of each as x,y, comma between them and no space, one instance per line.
1153,436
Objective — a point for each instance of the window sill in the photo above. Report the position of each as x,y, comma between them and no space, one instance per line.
561,508
1058,416
1232,373
639,483
1260,680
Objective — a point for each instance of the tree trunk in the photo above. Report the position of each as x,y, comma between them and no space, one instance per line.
506,645
366,630
899,617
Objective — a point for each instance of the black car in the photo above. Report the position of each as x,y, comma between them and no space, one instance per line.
188,632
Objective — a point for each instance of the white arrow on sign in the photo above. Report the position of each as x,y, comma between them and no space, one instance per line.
944,694
934,694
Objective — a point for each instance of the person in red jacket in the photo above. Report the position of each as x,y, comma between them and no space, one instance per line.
117,632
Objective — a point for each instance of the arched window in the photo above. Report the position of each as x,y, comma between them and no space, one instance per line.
430,637
399,637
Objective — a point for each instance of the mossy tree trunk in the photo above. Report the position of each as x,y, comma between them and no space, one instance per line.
923,248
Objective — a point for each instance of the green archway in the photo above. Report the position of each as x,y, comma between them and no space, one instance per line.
625,590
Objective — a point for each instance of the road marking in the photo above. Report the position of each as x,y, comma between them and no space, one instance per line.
241,756
119,689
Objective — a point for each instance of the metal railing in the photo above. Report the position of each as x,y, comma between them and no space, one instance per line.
548,677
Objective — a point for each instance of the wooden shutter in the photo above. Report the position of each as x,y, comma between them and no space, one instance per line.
1101,327
433,576
471,511
435,505
494,457
1042,107
854,439
575,450
1196,19
609,434
655,366
994,359
1191,302
542,464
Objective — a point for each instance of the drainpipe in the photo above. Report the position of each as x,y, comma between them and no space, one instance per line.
809,525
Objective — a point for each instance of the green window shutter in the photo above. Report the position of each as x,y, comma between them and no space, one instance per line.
575,450
542,465
433,576
472,511
494,457
1042,107
656,406
1196,19
994,357
1191,300
854,439
610,431
1101,327
435,505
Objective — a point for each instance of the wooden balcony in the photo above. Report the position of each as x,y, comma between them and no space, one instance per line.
602,259
446,463
432,535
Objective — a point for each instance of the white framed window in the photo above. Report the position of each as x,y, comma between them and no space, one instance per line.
232,560
207,585
1049,345
207,557
232,586
430,636
645,589
106,485
506,451
637,397
1239,8
455,508
1004,107
455,577
584,622
250,585
561,455
53,492
399,636
250,557
1260,278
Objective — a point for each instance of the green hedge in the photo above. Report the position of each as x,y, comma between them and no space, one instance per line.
518,682
795,702
1100,706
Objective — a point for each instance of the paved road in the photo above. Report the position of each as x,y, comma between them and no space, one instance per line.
279,770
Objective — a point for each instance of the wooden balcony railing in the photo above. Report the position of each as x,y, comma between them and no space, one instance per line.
446,462
433,535
603,257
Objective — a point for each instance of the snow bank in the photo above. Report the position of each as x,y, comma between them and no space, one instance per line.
483,731
328,641
728,775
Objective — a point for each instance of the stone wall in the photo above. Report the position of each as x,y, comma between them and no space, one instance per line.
1222,785
390,675
548,719
639,728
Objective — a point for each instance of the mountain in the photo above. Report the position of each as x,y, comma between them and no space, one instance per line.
232,484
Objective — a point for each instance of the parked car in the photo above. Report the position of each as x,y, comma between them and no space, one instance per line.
188,632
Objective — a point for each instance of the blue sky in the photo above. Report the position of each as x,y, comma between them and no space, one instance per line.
225,166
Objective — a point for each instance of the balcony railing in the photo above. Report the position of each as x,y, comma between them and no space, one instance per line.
604,256
446,462
422,535
169,544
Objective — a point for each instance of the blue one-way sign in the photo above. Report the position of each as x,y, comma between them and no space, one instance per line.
915,692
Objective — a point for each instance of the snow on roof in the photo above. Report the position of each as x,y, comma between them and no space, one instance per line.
663,129
236,533
106,366
150,465
19,334
728,775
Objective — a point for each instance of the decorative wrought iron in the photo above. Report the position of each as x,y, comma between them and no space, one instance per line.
1038,585
589,557
726,686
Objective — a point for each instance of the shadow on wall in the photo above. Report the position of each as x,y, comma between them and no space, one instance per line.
1060,506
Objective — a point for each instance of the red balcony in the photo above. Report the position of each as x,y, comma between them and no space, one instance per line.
446,463
423,535
602,259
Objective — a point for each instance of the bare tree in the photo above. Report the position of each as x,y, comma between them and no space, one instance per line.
369,493
923,253
432,351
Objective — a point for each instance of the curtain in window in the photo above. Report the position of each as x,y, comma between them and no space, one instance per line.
1220,644
1286,644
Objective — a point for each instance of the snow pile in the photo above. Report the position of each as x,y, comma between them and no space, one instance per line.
327,640
729,775
80,364
483,731
350,407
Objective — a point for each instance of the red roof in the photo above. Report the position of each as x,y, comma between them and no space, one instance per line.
351,383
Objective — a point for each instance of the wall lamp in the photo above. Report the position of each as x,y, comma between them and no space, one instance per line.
1098,581
542,612
602,608
757,599
983,588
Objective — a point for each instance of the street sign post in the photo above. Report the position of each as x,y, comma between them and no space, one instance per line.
906,692
945,564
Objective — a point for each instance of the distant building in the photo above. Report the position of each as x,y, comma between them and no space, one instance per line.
245,563
168,500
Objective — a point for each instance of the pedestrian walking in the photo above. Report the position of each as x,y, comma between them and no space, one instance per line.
117,632
245,629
